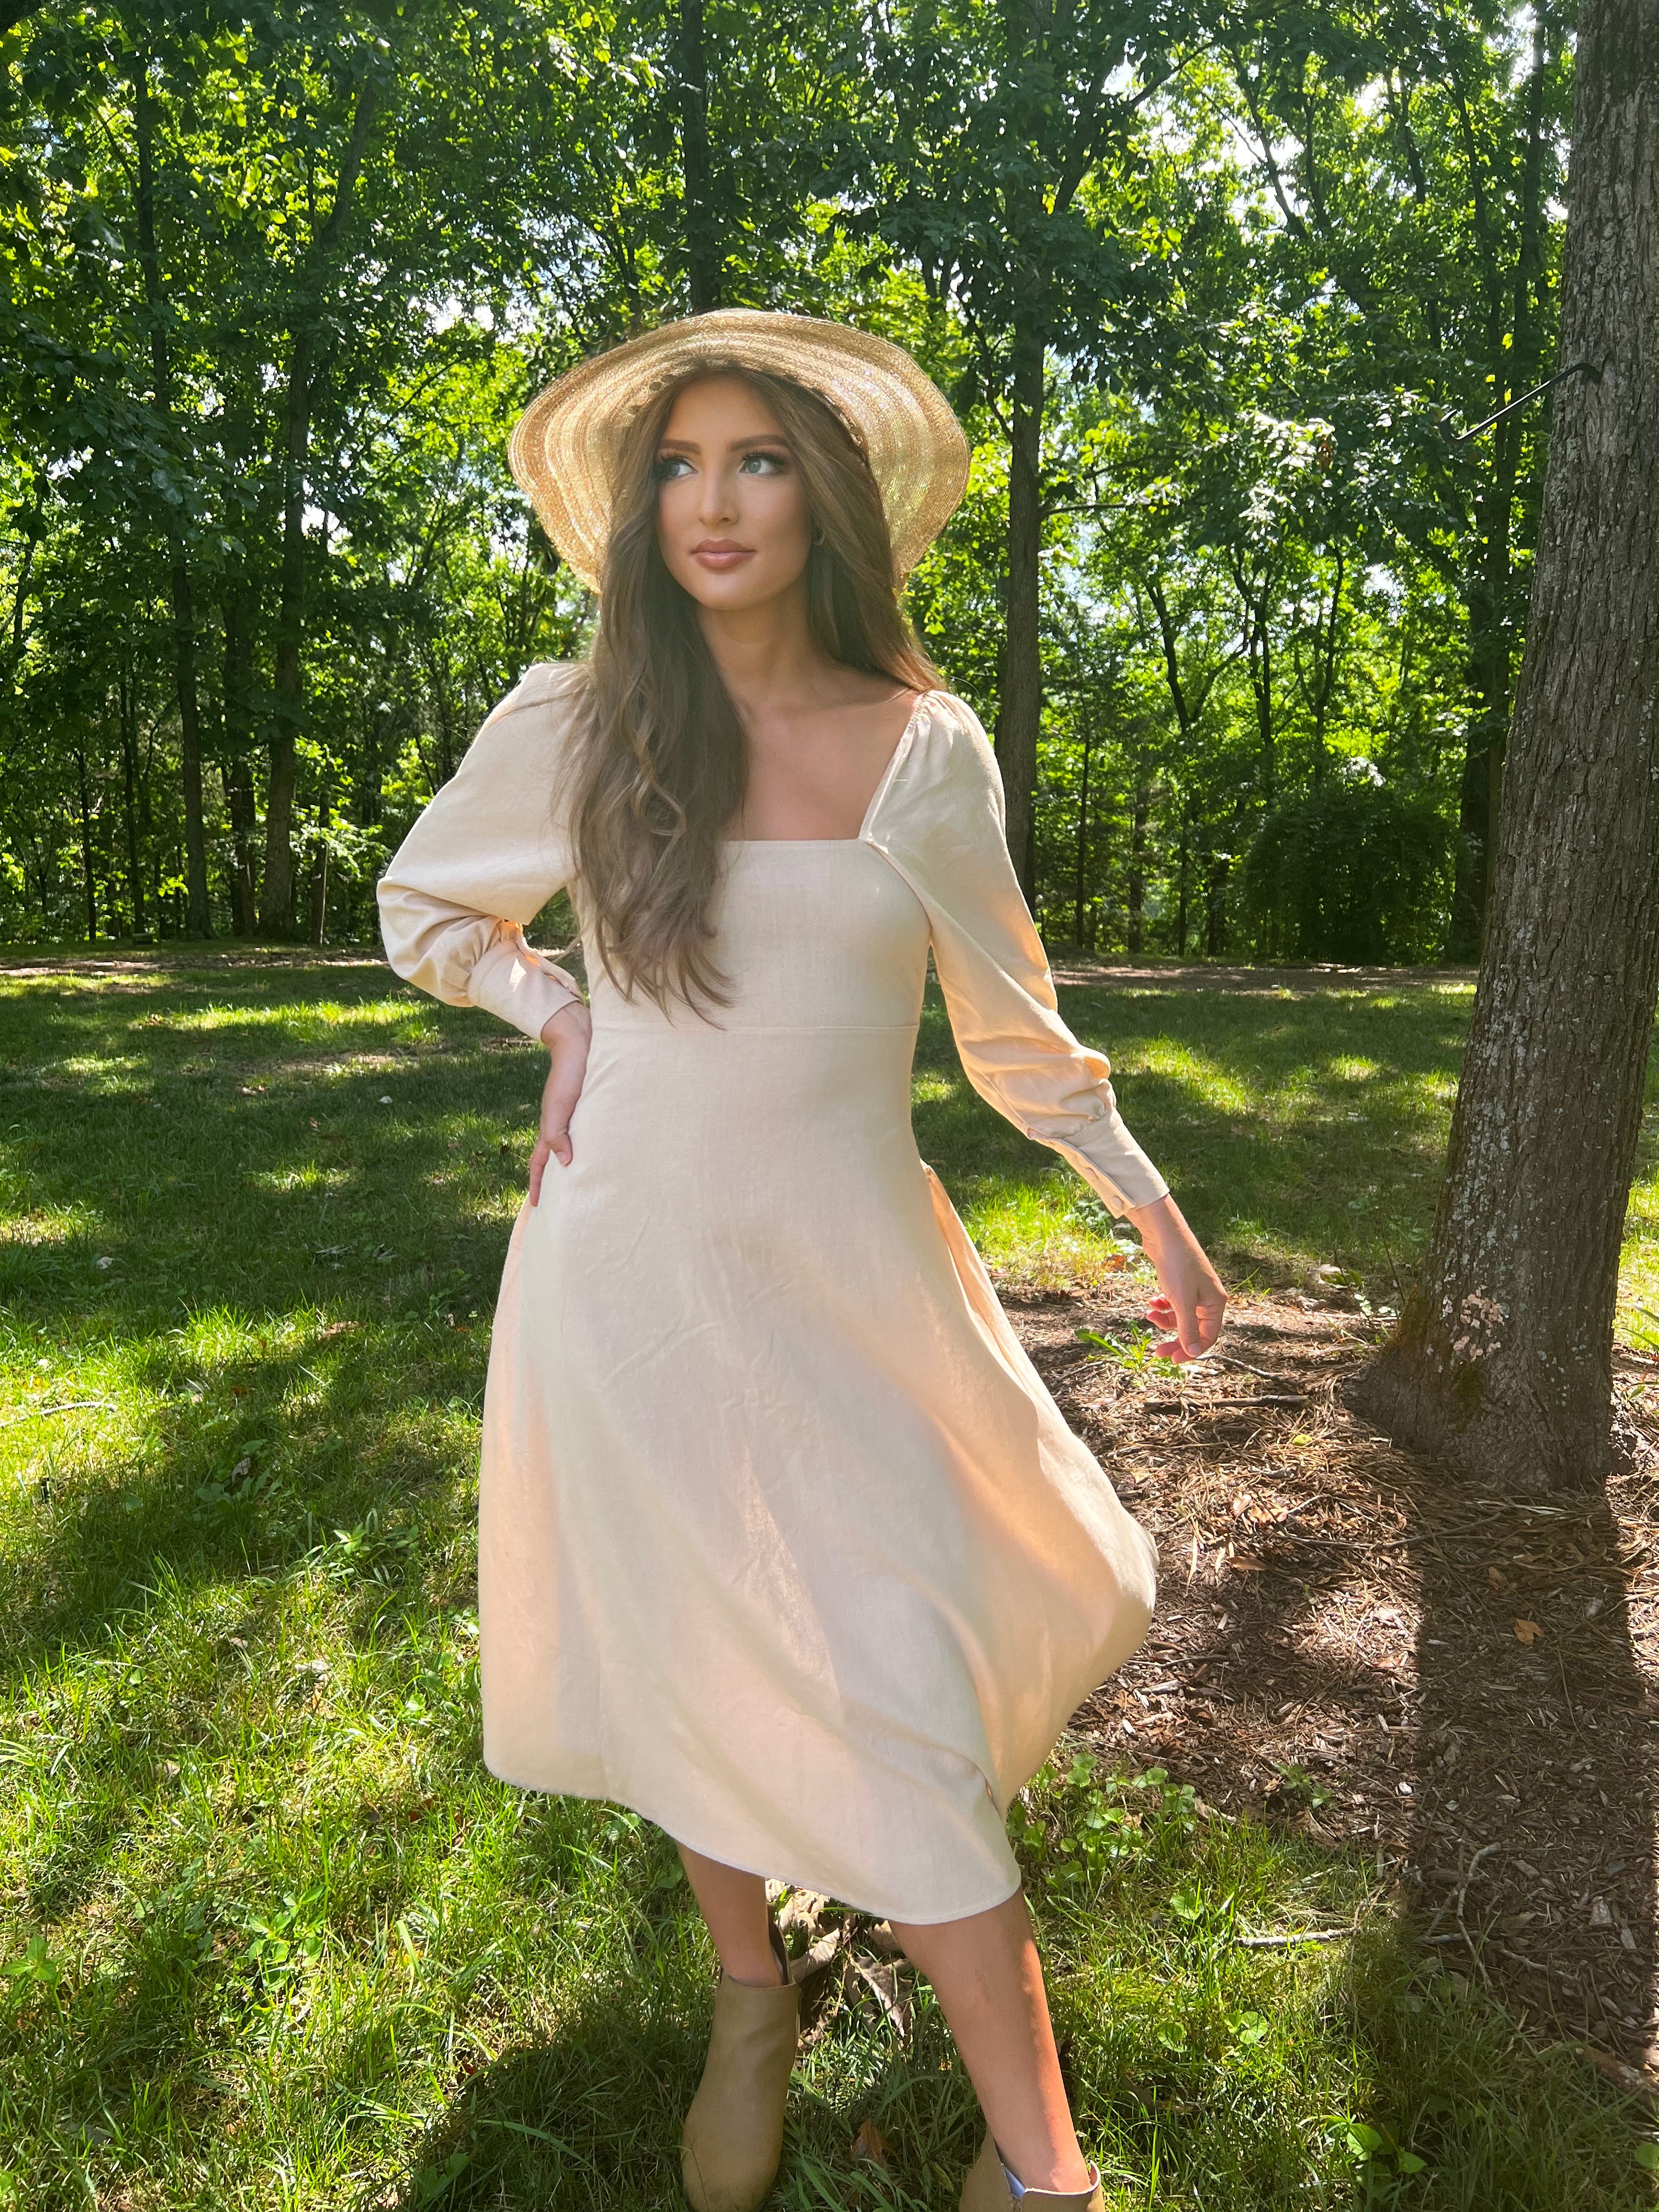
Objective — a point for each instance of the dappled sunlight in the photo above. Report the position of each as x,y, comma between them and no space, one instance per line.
60,1226
241,1801
300,1021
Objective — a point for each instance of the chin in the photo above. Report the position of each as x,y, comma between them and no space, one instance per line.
731,594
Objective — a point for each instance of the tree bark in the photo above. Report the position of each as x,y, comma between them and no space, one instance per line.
1137,881
88,879
1502,1358
1080,902
1020,716
277,902
235,771
1515,366
129,797
702,254
198,921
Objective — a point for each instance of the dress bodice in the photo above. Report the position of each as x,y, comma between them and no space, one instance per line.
811,933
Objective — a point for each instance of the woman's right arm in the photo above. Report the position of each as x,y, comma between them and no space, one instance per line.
483,859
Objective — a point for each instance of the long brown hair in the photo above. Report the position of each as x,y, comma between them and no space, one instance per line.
661,761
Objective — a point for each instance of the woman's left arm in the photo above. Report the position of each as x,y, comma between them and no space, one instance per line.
942,825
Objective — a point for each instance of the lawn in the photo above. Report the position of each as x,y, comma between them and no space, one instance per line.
272,1938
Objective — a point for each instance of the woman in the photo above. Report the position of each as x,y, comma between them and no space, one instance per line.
783,1542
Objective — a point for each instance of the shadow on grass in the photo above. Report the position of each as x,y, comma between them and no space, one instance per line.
592,2116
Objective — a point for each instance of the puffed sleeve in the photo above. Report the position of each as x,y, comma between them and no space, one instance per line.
940,822
483,858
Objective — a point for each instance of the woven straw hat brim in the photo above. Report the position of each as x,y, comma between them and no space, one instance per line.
564,448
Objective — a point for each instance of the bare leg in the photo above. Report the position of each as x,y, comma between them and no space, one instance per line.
988,1981
733,1903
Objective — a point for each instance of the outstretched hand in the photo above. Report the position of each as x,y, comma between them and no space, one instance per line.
1191,1303
566,1035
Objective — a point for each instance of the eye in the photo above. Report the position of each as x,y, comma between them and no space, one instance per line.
668,465
764,463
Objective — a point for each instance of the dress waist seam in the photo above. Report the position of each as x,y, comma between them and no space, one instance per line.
760,1029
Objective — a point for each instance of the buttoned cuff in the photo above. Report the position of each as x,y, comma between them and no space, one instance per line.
519,984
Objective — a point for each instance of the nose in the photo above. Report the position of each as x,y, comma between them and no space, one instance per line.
718,505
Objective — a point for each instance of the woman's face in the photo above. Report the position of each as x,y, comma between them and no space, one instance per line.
731,515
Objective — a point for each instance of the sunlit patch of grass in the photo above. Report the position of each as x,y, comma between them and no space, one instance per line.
271,1935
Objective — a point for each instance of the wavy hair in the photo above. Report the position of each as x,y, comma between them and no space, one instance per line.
661,761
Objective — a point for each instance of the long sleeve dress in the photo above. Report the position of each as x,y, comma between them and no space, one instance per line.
783,1542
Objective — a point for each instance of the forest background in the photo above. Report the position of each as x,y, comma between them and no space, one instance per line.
1216,291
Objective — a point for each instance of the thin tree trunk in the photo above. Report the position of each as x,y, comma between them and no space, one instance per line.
276,906
702,254
88,880
319,872
1215,905
197,919
1502,1358
1020,716
1080,897
234,770
129,797
1142,801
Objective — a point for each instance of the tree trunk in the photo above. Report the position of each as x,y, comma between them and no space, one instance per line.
1020,712
1142,808
276,900
1081,898
88,879
1502,1357
1215,905
319,871
196,917
1516,367
129,797
235,771
702,254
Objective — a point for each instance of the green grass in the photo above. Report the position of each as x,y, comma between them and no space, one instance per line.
272,1935
1297,1125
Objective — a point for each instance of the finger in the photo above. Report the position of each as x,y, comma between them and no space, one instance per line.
556,1137
537,1168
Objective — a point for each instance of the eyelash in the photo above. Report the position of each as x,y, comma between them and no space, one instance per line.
672,461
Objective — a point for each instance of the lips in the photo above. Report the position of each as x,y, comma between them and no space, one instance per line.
721,553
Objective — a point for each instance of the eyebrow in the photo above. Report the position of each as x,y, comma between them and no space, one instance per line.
690,444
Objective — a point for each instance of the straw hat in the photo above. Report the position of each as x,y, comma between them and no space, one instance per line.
564,448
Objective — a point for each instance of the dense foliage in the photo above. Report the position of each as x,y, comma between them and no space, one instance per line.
276,277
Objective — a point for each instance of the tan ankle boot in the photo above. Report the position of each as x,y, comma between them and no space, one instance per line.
987,2190
733,2138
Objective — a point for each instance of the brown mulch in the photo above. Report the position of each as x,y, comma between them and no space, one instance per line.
1258,981
1356,1641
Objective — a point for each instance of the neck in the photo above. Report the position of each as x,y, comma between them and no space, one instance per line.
765,653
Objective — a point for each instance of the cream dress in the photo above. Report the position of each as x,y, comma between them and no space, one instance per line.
782,1540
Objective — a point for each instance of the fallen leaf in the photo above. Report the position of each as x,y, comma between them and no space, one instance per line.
804,1909
1499,1580
1245,1566
881,1979
870,2146
1527,1631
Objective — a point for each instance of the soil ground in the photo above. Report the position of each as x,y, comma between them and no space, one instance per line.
1353,1640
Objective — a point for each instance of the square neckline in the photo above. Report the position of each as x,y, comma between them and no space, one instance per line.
862,833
